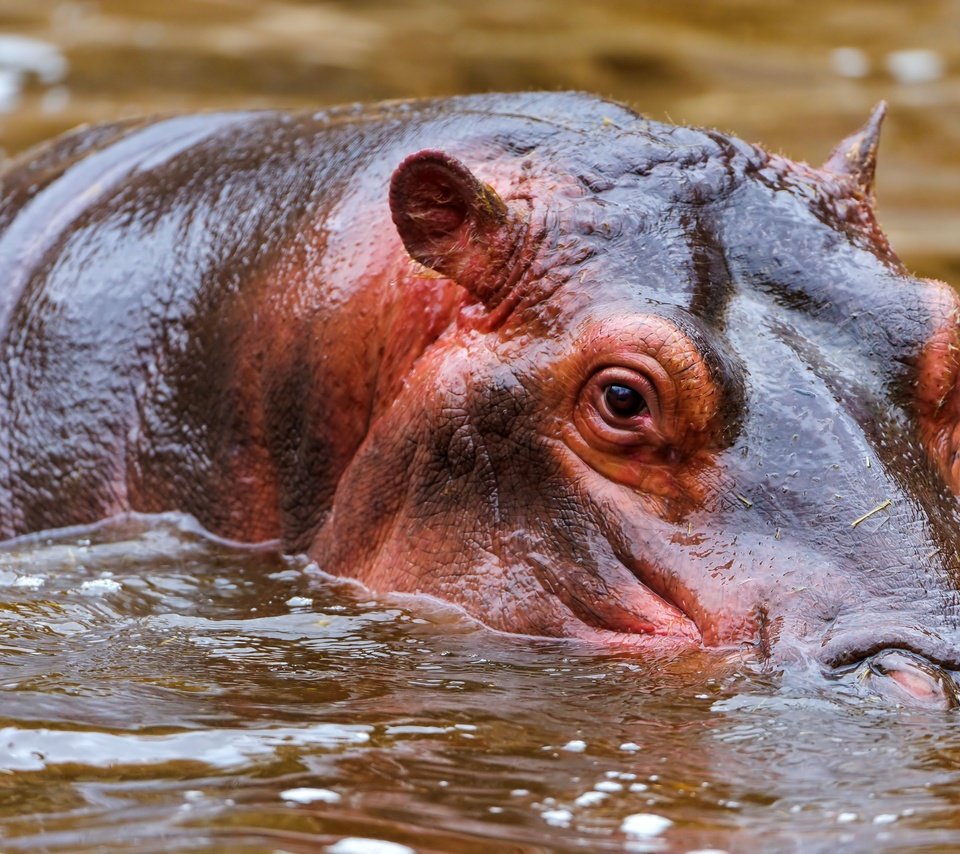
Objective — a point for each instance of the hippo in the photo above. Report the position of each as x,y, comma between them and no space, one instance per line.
582,374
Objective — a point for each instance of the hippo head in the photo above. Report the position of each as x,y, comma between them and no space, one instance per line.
690,397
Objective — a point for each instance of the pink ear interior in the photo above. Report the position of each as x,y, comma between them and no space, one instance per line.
448,220
429,197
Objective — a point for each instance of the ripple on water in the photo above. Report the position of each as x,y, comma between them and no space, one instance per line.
198,700
36,749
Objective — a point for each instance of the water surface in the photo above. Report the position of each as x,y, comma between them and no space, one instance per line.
162,690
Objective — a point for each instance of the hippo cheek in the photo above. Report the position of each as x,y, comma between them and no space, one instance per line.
937,389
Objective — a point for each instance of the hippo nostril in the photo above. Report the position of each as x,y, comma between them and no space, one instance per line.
909,679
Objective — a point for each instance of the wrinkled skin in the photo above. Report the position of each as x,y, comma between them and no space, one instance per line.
579,373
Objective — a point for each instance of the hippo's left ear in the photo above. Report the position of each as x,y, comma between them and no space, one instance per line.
452,223
856,157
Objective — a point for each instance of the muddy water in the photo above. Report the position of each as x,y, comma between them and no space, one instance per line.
163,691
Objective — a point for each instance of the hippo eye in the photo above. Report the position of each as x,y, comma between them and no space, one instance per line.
644,402
623,401
619,407
623,397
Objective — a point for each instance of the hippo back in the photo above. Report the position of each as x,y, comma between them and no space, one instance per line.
182,296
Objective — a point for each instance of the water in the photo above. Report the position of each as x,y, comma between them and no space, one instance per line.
163,691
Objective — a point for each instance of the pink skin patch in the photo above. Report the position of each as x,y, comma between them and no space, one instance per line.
937,394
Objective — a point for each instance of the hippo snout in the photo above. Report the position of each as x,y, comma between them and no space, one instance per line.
908,678
917,671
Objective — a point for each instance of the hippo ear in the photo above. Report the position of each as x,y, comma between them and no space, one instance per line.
452,223
856,156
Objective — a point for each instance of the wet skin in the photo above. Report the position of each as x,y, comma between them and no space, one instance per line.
579,373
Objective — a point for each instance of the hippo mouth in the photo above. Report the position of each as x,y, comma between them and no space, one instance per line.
621,609
655,624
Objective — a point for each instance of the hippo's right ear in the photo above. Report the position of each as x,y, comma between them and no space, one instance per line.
452,223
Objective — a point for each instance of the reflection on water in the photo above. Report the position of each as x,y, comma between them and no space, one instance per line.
163,691
22,57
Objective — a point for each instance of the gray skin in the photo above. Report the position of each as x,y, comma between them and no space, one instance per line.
384,336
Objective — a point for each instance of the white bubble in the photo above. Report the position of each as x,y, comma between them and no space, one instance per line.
885,818
575,746
846,817
557,818
359,845
305,795
100,586
629,747
299,602
643,825
608,786
590,799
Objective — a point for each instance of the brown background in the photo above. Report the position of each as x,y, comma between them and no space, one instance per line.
767,71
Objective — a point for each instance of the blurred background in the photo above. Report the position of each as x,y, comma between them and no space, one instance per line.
794,76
